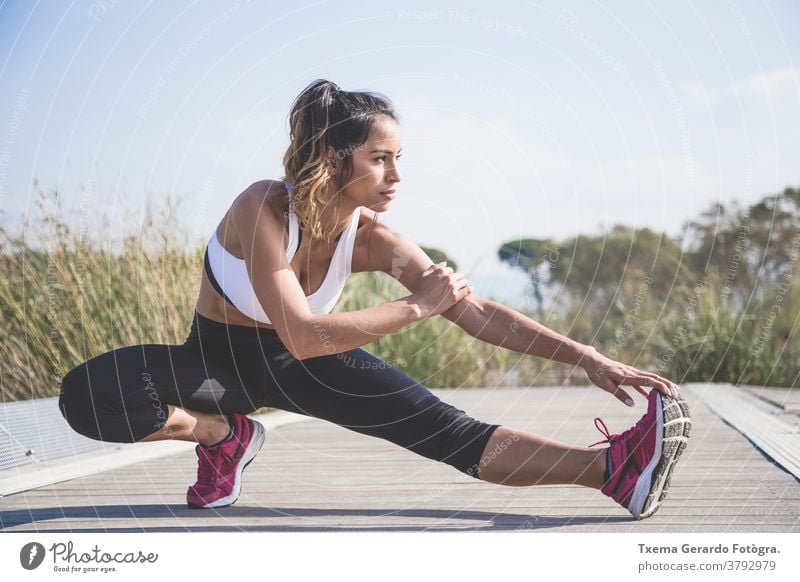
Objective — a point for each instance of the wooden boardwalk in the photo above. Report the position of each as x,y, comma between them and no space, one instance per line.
314,475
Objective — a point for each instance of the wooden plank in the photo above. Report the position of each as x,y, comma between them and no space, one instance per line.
776,437
316,476
111,456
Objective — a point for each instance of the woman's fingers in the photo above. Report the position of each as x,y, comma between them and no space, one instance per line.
674,387
461,282
641,390
623,396
644,380
615,390
657,377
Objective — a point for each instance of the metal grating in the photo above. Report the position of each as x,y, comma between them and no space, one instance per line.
32,431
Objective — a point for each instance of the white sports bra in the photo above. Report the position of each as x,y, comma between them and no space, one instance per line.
228,274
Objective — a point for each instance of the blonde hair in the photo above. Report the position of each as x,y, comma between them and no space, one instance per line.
324,116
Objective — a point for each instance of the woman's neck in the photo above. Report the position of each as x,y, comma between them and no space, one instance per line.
339,215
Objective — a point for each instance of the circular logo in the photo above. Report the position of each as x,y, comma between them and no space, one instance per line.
31,555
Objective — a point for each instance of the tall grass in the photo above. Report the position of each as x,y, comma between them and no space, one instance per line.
704,331
70,299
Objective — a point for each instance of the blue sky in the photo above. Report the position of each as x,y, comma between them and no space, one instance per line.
519,119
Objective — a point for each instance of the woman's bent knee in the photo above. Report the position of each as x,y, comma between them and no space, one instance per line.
88,415
72,402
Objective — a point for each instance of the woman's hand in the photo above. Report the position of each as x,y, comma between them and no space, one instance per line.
439,288
610,375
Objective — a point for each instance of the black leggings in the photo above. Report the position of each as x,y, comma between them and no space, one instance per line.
122,395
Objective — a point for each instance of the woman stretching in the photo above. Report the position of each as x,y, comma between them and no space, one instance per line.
263,335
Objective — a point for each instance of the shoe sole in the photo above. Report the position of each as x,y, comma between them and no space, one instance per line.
673,427
255,444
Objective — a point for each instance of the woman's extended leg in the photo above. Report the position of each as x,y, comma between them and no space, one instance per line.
360,392
634,471
514,457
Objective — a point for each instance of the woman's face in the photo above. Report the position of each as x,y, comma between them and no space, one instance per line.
375,167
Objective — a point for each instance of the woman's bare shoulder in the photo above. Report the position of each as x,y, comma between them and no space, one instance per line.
269,194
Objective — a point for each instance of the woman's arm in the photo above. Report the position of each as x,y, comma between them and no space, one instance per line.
305,334
481,318
502,326
332,333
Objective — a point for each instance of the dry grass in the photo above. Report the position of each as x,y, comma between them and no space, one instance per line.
68,300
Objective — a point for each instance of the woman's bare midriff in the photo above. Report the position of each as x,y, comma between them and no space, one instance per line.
212,305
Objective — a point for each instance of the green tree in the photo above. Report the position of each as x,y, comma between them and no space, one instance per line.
750,248
438,256
532,256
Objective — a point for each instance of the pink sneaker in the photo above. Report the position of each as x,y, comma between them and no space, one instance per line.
219,468
643,457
